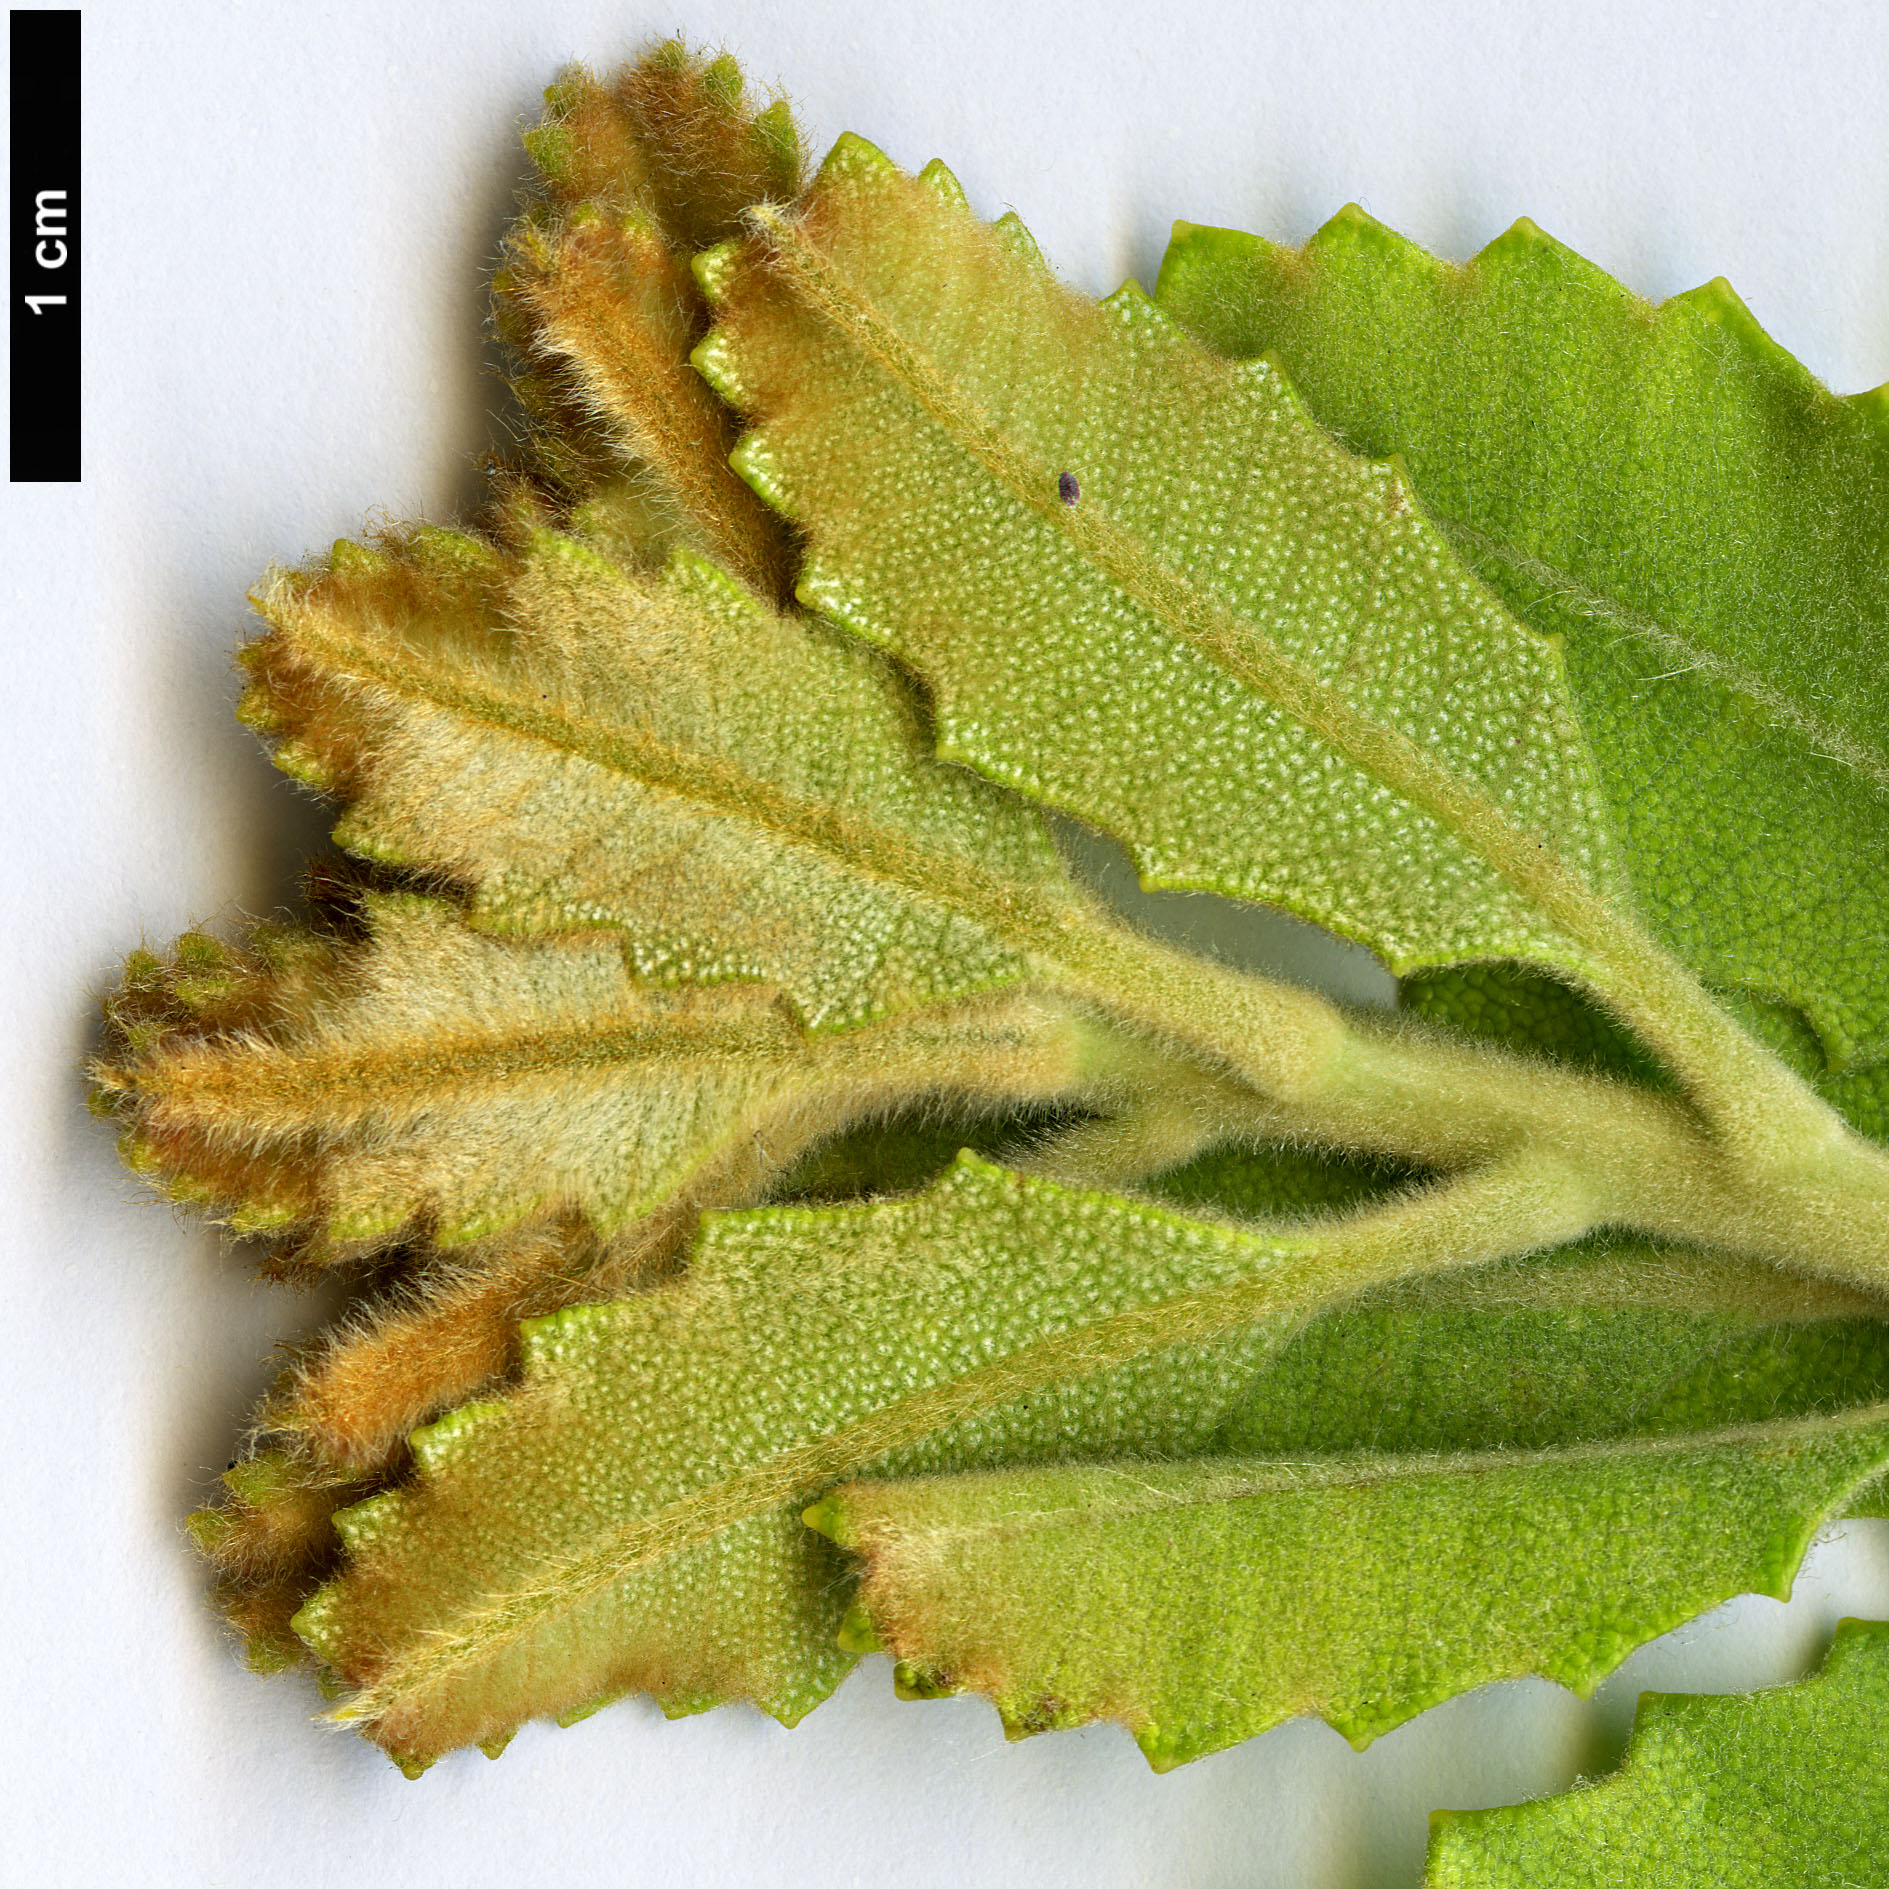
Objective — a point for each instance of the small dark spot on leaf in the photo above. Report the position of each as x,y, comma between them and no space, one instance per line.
1067,488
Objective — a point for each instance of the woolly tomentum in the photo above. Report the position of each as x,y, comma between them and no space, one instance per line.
696,906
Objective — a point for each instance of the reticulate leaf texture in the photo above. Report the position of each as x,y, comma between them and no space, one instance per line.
736,794
1145,586
1702,523
628,1519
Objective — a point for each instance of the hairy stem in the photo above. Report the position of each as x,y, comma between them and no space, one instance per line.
1756,1105
1320,1073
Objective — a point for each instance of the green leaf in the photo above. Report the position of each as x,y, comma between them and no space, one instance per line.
1521,1010
1273,1183
1200,1603
627,1520
1783,1789
1704,524
1239,649
1609,1338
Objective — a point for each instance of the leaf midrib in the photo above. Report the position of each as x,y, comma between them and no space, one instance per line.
420,1069
1827,738
1276,1476
1020,914
1193,617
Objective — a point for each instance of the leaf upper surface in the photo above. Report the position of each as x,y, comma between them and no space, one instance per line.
1665,488
1238,648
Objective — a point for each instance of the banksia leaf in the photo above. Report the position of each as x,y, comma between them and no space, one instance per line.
1781,1789
1200,1603
588,748
1664,489
920,383
628,1519
597,303
1493,1413
1289,687
673,907
455,1084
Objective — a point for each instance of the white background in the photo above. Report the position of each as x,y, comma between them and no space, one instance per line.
289,209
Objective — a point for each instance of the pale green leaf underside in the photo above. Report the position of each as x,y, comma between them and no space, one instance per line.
1226,652
1784,1789
741,797
459,1083
1664,487
629,1519
1200,1603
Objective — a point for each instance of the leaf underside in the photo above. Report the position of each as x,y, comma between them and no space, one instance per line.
1665,489
1239,650
629,1519
668,899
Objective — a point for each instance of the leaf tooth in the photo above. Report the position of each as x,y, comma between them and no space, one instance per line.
938,178
437,1444
1719,304
347,558
451,553
370,1225
1873,406
1353,228
1524,244
553,148
690,576
546,1342
854,159
715,359
777,138
576,1714
259,712
363,1523
823,589
487,1223
714,270
755,461
312,769
1011,232
912,1682
856,1634
259,1218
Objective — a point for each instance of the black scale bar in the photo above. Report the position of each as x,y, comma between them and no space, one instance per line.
43,442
